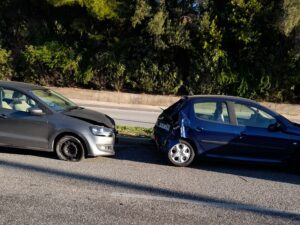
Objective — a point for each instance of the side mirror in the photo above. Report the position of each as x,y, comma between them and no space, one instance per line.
275,127
36,112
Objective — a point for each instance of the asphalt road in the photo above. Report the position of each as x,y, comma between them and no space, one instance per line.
139,117
129,116
138,187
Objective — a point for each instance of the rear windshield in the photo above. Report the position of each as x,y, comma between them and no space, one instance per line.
174,109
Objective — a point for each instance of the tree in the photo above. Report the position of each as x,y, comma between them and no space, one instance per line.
248,48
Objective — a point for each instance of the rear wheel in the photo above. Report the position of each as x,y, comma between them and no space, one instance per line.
70,148
181,154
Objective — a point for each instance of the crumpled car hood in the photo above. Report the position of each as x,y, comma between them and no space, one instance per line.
90,116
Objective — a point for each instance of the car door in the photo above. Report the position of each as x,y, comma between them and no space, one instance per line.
18,127
213,128
256,141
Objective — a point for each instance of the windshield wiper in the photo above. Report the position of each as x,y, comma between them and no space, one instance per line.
72,108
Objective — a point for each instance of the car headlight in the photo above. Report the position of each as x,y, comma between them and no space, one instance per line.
102,131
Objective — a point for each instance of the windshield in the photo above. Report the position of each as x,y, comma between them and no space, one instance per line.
54,100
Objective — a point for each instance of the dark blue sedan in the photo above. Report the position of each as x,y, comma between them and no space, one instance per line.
228,128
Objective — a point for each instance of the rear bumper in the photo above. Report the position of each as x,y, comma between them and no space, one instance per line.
164,140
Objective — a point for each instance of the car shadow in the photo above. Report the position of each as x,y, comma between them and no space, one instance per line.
246,170
146,152
138,150
17,151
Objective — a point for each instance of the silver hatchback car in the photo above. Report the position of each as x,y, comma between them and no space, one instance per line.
34,117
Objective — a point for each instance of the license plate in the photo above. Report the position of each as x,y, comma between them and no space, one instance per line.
164,126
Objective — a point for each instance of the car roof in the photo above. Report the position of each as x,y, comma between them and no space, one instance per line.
21,85
220,97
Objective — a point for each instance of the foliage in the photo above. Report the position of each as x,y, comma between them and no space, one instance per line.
142,11
5,64
135,131
248,48
101,9
55,59
157,79
291,15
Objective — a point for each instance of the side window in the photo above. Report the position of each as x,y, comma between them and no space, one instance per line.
15,100
253,117
213,111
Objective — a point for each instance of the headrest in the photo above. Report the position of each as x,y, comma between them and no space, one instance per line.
17,94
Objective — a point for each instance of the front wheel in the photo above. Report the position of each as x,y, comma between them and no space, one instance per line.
181,154
69,148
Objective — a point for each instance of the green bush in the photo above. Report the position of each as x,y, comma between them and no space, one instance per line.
5,64
154,78
248,48
54,62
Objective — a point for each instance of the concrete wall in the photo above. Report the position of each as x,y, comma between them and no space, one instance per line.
289,110
116,97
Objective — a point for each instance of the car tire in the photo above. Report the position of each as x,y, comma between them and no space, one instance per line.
181,154
70,148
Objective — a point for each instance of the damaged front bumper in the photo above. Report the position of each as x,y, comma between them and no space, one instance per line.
101,146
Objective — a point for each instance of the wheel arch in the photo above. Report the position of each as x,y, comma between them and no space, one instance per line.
70,133
191,142
197,146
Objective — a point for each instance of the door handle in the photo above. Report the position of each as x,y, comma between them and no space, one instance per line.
242,135
2,116
200,129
